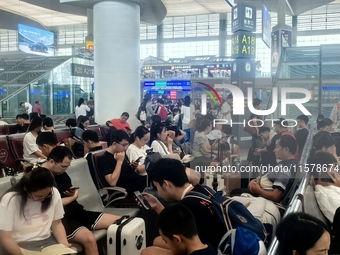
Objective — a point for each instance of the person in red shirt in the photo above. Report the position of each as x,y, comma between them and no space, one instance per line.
121,123
37,108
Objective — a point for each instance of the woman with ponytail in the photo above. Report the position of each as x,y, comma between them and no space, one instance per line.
29,211
138,147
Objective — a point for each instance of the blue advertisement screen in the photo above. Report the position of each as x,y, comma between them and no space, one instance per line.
35,41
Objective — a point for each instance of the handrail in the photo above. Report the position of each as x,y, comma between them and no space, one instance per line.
297,201
24,86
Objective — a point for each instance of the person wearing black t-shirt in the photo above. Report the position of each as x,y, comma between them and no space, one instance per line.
178,229
21,126
77,221
172,183
301,134
116,167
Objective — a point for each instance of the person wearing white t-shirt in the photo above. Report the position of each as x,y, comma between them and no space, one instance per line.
138,147
29,211
226,111
187,111
160,140
81,108
27,106
31,150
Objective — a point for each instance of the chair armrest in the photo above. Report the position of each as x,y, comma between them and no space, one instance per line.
115,188
113,194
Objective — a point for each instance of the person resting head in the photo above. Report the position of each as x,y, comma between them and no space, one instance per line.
302,234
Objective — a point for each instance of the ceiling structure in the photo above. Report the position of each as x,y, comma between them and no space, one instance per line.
50,13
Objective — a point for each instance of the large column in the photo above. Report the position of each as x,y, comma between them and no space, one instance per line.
281,12
160,44
89,36
223,35
116,60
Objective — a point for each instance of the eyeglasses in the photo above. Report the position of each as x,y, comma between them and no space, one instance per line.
64,168
39,198
124,145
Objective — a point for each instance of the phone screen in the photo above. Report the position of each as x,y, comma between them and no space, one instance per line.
142,200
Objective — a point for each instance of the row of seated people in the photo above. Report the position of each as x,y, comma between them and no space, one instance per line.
168,225
124,145
16,147
118,148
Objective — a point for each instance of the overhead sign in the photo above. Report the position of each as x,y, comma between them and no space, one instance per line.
266,26
243,45
243,18
89,45
280,39
82,70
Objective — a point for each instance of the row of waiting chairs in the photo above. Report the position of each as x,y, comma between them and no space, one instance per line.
11,146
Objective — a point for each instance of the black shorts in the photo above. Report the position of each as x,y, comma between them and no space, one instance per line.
83,219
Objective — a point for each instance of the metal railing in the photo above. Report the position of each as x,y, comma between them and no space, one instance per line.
297,201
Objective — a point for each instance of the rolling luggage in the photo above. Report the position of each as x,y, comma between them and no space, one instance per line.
126,236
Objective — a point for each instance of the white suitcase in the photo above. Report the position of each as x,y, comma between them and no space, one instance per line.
126,236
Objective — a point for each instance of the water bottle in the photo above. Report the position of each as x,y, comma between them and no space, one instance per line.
13,181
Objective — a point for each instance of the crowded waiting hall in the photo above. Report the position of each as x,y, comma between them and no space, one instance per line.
169,127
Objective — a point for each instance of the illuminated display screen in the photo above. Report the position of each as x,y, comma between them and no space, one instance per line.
167,83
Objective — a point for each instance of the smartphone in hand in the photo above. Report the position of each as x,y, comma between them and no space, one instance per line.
73,188
137,160
142,200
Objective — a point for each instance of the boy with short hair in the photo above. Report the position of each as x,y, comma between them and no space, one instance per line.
178,229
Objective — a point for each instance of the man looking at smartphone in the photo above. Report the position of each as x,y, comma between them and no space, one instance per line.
116,167
77,221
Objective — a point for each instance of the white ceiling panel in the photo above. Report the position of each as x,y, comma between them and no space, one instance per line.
49,18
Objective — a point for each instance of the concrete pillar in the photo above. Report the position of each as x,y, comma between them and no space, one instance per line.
223,35
281,12
160,46
116,60
294,30
89,36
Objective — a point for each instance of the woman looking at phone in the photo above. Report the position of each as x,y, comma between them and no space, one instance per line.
136,152
28,212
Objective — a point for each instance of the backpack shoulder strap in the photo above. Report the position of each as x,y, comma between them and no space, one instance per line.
162,145
195,194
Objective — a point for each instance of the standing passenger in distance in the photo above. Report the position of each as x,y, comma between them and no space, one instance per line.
226,111
301,134
37,108
81,108
27,106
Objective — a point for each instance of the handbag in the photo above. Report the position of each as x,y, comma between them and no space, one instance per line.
142,116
